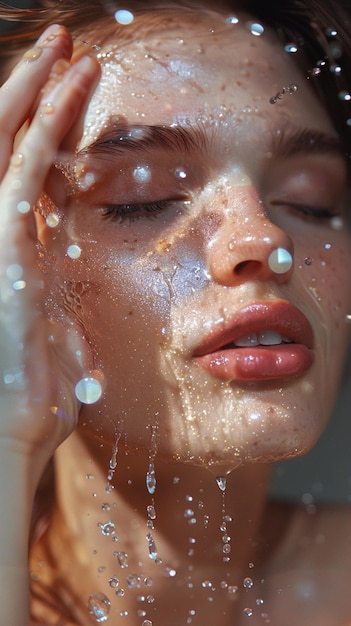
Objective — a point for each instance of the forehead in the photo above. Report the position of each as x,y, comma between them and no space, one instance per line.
186,66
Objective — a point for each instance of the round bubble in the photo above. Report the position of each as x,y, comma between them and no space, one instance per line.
256,29
124,17
88,390
74,251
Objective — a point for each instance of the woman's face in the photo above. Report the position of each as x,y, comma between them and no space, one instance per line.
187,179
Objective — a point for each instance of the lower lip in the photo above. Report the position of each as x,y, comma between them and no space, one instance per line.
259,363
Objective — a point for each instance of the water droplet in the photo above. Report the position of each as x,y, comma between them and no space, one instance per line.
47,108
336,69
88,390
345,96
331,32
226,548
146,622
107,529
232,20
259,601
291,47
133,580
248,583
256,29
348,121
292,88
17,161
233,589
148,581
99,606
308,260
152,546
151,512
151,479
74,251
52,220
19,284
206,584
315,71
120,593
122,558
124,17
221,482
273,100
180,173
23,207
113,582
170,572
248,612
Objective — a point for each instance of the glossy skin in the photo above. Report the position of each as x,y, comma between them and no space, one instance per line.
149,289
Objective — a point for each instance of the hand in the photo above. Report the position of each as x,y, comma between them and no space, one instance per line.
36,375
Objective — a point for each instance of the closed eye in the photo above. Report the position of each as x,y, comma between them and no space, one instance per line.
132,212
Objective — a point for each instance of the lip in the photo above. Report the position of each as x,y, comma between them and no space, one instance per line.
290,360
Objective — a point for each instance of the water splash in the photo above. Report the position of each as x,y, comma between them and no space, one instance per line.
226,539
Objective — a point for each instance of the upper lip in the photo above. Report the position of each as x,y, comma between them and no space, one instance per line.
279,316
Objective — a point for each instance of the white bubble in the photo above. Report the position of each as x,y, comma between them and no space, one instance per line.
23,207
14,271
124,17
52,220
88,390
256,29
74,251
19,284
280,261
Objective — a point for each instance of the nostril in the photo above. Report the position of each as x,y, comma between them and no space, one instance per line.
247,267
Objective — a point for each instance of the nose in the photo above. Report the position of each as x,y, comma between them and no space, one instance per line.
247,246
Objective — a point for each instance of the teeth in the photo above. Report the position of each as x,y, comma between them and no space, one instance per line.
264,338
270,338
247,341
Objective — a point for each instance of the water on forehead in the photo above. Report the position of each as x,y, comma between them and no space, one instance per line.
216,68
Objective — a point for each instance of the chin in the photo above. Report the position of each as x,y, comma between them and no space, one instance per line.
222,426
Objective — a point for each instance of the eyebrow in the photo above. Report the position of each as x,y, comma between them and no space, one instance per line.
143,138
306,141
119,140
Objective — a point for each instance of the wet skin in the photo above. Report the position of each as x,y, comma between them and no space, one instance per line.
175,236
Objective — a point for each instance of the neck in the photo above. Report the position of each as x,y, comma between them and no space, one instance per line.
182,521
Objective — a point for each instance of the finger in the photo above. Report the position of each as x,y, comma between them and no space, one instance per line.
59,107
21,90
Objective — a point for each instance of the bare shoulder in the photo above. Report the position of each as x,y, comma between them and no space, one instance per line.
306,565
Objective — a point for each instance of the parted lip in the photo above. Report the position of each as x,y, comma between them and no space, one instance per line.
279,316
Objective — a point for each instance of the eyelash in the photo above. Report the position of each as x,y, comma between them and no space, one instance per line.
132,212
308,212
